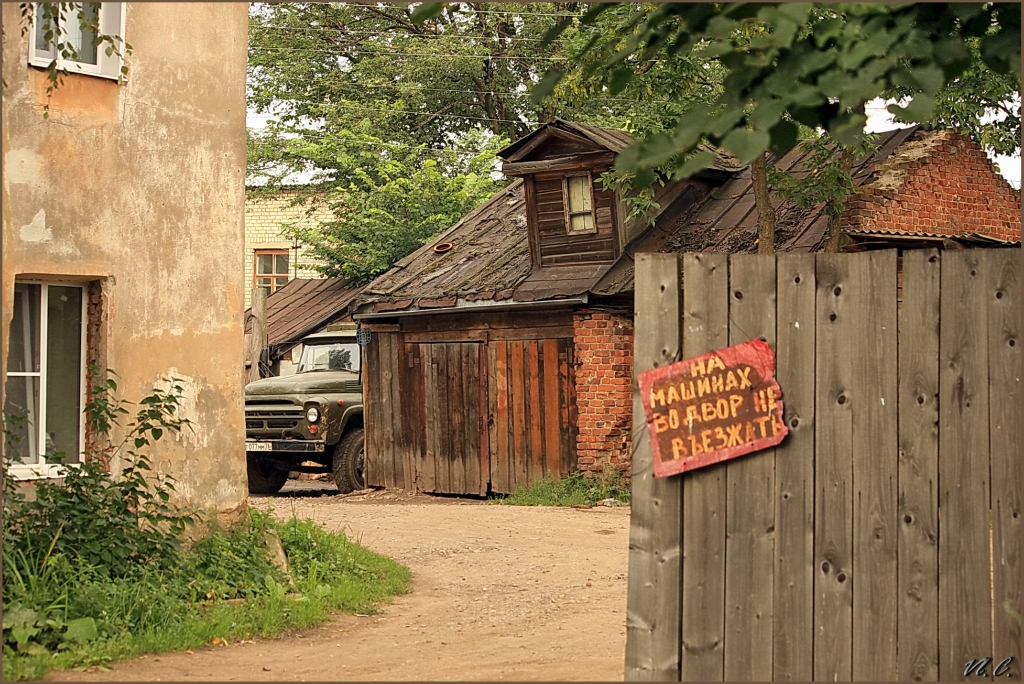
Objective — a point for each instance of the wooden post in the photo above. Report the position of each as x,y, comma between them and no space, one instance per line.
258,337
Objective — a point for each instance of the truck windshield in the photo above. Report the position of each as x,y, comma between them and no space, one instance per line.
329,356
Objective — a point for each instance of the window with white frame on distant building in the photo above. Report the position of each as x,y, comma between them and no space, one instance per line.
271,272
578,196
77,24
45,391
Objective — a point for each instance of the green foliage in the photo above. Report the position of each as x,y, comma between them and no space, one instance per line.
576,489
813,64
386,205
95,569
826,179
93,518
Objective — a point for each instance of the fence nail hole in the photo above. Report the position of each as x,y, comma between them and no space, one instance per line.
797,280
842,399
763,338
841,577
907,519
932,259
837,291
793,423
786,495
967,404
825,566
662,288
1016,514
738,295
832,317
920,400
973,272
1013,342
999,295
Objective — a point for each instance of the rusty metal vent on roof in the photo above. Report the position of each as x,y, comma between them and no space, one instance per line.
443,247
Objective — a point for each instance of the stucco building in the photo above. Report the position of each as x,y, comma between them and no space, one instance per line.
123,233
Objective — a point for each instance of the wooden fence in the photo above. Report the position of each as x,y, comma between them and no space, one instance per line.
881,539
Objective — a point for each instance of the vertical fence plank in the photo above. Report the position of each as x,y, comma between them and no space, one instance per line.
442,424
1003,269
835,338
653,602
750,502
965,609
793,633
705,328
372,387
501,476
402,437
552,448
917,516
518,389
456,409
486,424
385,342
536,413
873,400
568,414
470,456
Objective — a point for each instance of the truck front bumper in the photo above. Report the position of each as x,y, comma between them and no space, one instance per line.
287,445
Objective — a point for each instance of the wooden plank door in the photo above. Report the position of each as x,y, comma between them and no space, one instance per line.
454,380
531,411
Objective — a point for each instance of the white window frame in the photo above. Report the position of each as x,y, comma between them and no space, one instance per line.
111,22
42,469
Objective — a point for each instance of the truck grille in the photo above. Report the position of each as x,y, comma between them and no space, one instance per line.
270,415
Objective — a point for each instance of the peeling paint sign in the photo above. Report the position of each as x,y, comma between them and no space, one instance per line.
712,408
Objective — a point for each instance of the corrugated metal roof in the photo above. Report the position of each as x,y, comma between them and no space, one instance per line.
302,306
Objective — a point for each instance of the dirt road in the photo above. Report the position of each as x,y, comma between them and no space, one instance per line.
499,593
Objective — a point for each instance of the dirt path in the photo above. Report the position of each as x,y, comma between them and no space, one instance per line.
499,593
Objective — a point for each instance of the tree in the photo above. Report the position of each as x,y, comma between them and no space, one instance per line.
817,65
389,200
364,99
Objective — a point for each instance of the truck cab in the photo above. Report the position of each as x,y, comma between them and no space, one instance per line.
314,415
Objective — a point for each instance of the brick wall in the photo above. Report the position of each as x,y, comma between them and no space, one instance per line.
604,388
263,219
941,182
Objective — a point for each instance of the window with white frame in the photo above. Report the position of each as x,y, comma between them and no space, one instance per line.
78,23
45,392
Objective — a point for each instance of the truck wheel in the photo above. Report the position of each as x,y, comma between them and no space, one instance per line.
264,478
349,460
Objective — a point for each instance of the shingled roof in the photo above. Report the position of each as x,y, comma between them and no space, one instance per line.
302,307
489,256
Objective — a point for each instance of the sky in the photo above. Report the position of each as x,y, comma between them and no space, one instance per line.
878,120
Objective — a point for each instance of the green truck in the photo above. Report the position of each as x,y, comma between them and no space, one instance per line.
314,415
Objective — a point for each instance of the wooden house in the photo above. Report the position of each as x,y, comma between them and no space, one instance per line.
501,352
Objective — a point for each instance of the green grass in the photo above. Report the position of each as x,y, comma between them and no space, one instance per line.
185,607
577,489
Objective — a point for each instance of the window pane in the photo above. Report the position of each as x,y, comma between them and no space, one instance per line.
579,194
583,223
281,263
83,40
21,418
264,263
42,26
279,283
23,345
64,371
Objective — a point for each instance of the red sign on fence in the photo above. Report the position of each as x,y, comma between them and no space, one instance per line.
712,408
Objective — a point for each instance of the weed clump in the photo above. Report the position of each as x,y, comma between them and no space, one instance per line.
576,489
95,567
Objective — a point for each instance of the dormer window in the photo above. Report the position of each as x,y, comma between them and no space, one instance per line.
578,199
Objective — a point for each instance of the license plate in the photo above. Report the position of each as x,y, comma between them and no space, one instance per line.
258,446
